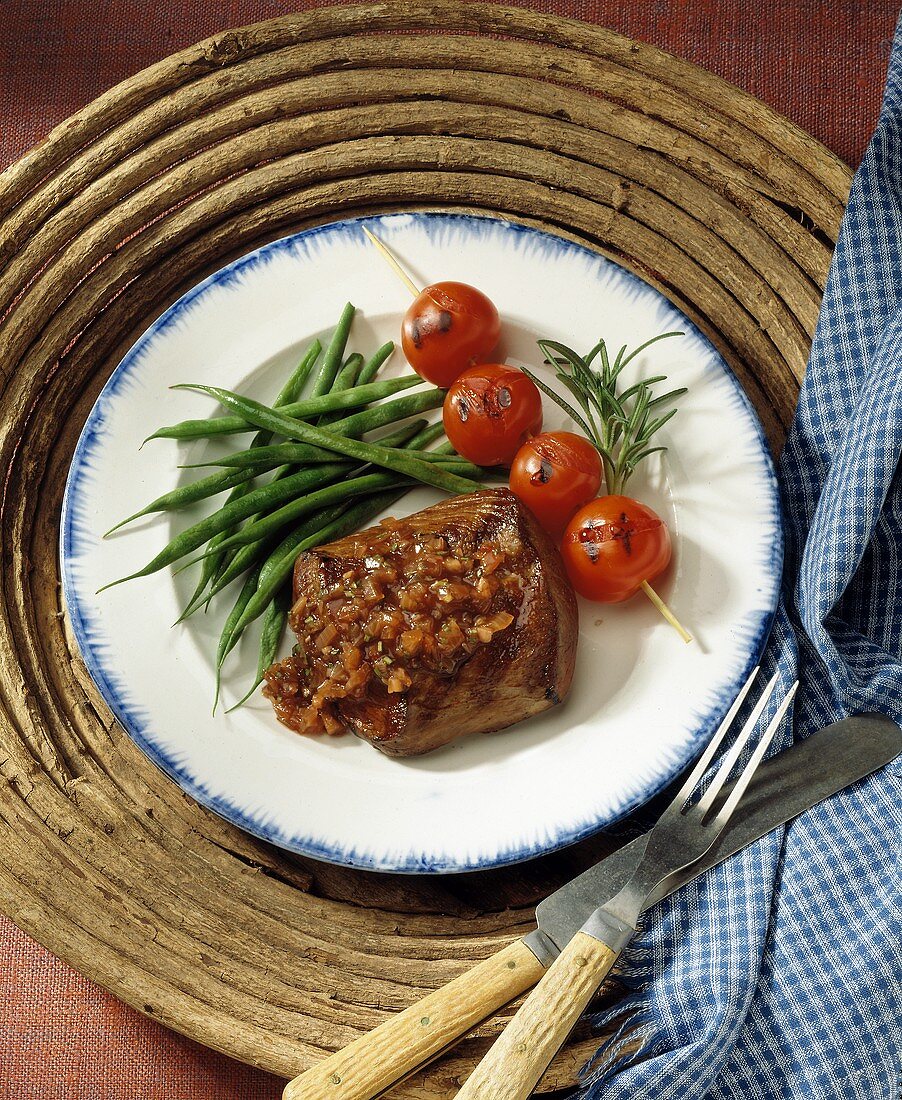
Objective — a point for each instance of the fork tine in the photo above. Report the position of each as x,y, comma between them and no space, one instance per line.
723,814
730,758
699,770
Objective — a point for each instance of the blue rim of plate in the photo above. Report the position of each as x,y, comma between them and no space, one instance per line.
131,721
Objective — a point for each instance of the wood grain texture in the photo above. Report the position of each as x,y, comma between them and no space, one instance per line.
709,195
409,1039
519,1056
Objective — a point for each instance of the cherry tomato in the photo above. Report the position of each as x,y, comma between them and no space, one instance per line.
554,474
449,327
490,411
612,545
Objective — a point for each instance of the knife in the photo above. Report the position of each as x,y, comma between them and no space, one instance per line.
783,787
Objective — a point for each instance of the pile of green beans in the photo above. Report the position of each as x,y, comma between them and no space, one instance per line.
324,481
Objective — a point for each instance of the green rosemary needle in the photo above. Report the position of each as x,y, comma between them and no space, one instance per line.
620,424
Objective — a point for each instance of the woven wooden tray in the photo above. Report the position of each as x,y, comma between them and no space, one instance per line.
727,207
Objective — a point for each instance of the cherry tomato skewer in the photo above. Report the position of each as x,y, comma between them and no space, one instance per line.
450,326
554,474
613,548
643,583
490,411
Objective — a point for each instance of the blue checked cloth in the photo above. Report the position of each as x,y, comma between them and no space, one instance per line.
778,974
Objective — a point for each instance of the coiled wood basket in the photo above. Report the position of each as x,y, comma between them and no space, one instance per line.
725,206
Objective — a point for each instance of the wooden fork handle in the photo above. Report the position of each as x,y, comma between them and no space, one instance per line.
407,1041
519,1056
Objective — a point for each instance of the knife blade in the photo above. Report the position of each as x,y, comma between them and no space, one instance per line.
783,787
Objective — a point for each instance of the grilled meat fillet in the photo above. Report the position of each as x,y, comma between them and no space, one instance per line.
458,619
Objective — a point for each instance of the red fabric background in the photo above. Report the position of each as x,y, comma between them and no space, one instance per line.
823,65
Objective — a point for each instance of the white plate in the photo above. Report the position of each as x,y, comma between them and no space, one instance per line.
642,703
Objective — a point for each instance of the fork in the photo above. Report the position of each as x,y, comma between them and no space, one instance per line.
682,835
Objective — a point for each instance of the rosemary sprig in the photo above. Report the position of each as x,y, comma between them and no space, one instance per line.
620,424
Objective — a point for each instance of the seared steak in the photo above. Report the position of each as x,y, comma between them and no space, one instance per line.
458,619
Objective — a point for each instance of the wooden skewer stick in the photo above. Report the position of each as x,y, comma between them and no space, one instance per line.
392,262
666,612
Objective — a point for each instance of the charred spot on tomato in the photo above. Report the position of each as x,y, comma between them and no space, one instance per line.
415,333
587,538
612,545
504,408
623,532
463,410
445,320
543,474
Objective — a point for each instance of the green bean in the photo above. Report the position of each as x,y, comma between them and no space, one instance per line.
403,436
369,420
334,353
346,489
445,448
262,527
347,376
189,494
303,537
218,483
261,459
266,458
307,532
230,514
215,565
302,506
200,596
211,569
236,566
359,486
371,367
278,422
344,380
378,416
288,393
293,388
457,463
308,408
274,619
429,433
222,563
225,638
248,555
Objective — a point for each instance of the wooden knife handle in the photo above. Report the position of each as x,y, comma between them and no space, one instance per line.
382,1057
519,1056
